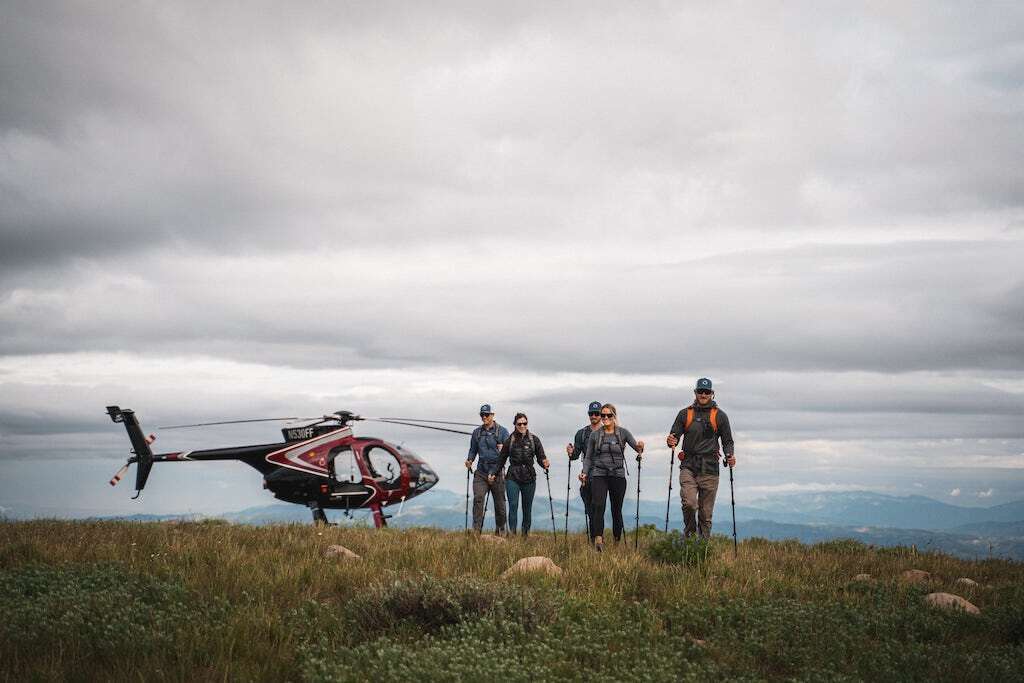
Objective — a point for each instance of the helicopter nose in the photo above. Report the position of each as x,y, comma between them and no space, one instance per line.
422,477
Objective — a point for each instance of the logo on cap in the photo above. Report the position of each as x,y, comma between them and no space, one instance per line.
595,407
485,409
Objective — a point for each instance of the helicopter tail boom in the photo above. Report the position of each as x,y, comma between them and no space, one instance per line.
143,456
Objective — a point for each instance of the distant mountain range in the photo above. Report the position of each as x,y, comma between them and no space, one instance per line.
873,518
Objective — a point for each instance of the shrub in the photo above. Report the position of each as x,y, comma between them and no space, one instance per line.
673,548
431,603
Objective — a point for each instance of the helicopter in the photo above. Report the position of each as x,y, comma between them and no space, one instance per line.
321,465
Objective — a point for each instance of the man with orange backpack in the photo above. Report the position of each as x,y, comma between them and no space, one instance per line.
700,426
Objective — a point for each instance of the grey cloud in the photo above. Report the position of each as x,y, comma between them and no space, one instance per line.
892,308
228,128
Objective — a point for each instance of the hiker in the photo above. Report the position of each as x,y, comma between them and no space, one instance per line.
520,450
701,426
578,448
604,468
485,446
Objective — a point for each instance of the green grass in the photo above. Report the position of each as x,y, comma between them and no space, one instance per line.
199,601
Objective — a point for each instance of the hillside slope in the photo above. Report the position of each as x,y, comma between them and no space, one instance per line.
214,601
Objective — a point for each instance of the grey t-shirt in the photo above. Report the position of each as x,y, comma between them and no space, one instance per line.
606,453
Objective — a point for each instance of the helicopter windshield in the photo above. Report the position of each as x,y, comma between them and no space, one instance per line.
384,466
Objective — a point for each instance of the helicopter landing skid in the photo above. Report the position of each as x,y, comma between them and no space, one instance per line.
319,516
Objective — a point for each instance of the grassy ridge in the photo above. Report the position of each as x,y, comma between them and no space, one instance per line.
206,601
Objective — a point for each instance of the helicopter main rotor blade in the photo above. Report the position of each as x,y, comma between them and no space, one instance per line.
437,422
235,422
413,424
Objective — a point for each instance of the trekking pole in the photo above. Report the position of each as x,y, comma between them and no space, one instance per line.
671,472
586,509
732,492
469,473
487,495
551,503
636,529
568,485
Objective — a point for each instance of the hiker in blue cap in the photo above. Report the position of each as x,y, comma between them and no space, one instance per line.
578,449
485,446
700,426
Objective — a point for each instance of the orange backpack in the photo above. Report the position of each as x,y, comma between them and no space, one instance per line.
713,416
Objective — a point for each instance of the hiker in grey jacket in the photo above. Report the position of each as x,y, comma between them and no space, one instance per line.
701,426
604,468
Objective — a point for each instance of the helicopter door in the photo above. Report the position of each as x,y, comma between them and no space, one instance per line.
343,467
385,467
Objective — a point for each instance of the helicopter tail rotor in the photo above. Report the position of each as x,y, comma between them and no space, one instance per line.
143,456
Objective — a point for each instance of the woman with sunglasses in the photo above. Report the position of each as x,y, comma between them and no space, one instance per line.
604,467
521,448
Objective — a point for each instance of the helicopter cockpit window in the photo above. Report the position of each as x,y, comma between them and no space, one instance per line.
384,466
343,466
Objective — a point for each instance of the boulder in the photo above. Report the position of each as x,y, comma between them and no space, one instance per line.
535,564
862,577
915,576
341,552
964,581
492,538
950,601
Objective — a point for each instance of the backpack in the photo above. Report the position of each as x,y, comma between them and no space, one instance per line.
713,419
481,433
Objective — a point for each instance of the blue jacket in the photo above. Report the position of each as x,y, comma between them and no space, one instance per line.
484,444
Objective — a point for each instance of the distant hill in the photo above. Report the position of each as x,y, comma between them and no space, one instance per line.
809,517
876,509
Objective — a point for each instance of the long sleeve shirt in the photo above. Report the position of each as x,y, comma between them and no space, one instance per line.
699,443
483,444
579,442
606,453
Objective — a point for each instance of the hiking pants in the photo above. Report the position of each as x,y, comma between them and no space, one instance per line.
697,492
480,489
600,489
514,489
588,505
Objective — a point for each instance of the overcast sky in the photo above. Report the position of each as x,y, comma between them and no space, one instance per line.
224,210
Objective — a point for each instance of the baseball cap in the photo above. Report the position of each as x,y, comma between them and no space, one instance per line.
594,407
485,409
703,384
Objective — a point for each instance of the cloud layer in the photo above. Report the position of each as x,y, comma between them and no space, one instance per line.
213,211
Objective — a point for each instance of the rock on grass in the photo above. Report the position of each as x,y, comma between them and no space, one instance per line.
915,576
535,564
341,552
950,601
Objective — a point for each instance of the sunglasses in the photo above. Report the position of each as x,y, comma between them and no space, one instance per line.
704,392
484,415
520,424
606,416
594,414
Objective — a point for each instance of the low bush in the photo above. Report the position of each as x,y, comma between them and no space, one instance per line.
673,548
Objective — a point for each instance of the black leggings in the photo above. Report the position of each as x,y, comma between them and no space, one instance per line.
600,489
